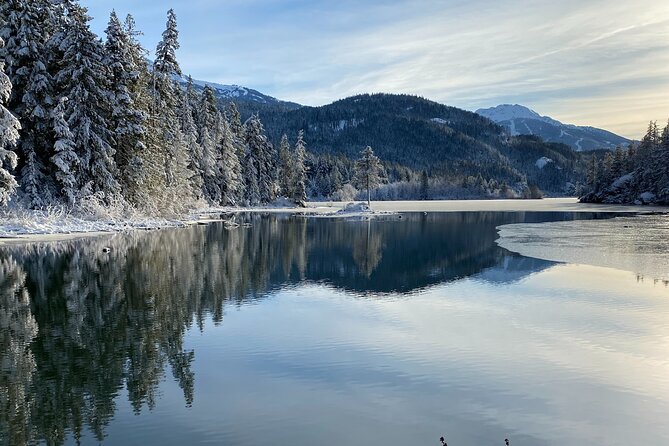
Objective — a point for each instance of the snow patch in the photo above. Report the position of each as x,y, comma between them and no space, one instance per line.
439,120
541,162
622,180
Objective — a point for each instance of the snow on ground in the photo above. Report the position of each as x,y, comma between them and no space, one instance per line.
58,224
34,225
637,244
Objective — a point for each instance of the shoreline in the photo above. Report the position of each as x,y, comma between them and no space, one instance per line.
331,210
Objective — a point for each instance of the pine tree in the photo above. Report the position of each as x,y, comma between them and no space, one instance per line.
166,58
127,121
661,167
229,167
424,186
368,172
286,166
9,136
189,130
84,79
261,162
209,126
300,171
65,160
170,144
592,174
27,28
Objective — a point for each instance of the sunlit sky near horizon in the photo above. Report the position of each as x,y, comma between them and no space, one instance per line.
603,63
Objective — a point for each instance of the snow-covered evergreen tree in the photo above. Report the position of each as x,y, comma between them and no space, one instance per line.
230,168
300,171
27,27
209,126
189,129
123,57
84,79
65,159
286,165
9,136
261,162
368,172
661,167
171,142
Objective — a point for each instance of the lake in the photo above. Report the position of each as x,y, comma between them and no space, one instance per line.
320,331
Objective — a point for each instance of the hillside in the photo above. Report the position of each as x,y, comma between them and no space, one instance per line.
425,135
520,120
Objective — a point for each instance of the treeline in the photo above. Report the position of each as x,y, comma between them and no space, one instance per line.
90,122
412,135
638,175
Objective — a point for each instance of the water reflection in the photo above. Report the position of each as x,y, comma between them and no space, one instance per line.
83,322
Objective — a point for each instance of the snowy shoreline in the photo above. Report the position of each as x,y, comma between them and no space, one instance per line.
41,227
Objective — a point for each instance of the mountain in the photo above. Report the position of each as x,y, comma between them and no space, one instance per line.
247,99
424,135
520,120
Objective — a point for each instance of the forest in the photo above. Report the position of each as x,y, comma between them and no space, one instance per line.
97,124
638,175
92,124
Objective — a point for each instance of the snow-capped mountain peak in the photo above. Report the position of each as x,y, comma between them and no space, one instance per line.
520,120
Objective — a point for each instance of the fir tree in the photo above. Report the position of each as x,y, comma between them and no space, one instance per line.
128,121
27,29
300,171
190,133
661,167
368,172
170,141
209,126
230,168
9,136
84,79
286,166
424,185
65,160
263,158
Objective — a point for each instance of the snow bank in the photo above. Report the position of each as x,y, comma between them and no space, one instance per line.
18,223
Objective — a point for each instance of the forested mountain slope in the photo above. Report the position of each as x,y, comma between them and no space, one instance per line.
424,135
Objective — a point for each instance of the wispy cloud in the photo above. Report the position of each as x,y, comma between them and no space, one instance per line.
601,62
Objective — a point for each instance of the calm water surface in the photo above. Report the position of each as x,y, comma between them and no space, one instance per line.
301,331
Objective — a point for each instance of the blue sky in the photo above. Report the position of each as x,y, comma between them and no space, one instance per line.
591,62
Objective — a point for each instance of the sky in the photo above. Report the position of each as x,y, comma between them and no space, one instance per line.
603,63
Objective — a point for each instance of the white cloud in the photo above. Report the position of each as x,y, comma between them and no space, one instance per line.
597,62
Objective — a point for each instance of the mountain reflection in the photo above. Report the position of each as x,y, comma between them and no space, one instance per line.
83,322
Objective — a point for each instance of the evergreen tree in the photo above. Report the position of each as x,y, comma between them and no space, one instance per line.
84,79
661,167
170,142
300,171
190,132
286,166
260,163
424,186
127,121
230,168
209,126
26,29
9,136
65,159
368,172
592,176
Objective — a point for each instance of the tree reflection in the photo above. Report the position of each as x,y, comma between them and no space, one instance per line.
84,321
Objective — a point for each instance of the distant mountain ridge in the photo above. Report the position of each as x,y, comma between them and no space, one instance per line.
424,135
242,96
520,120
